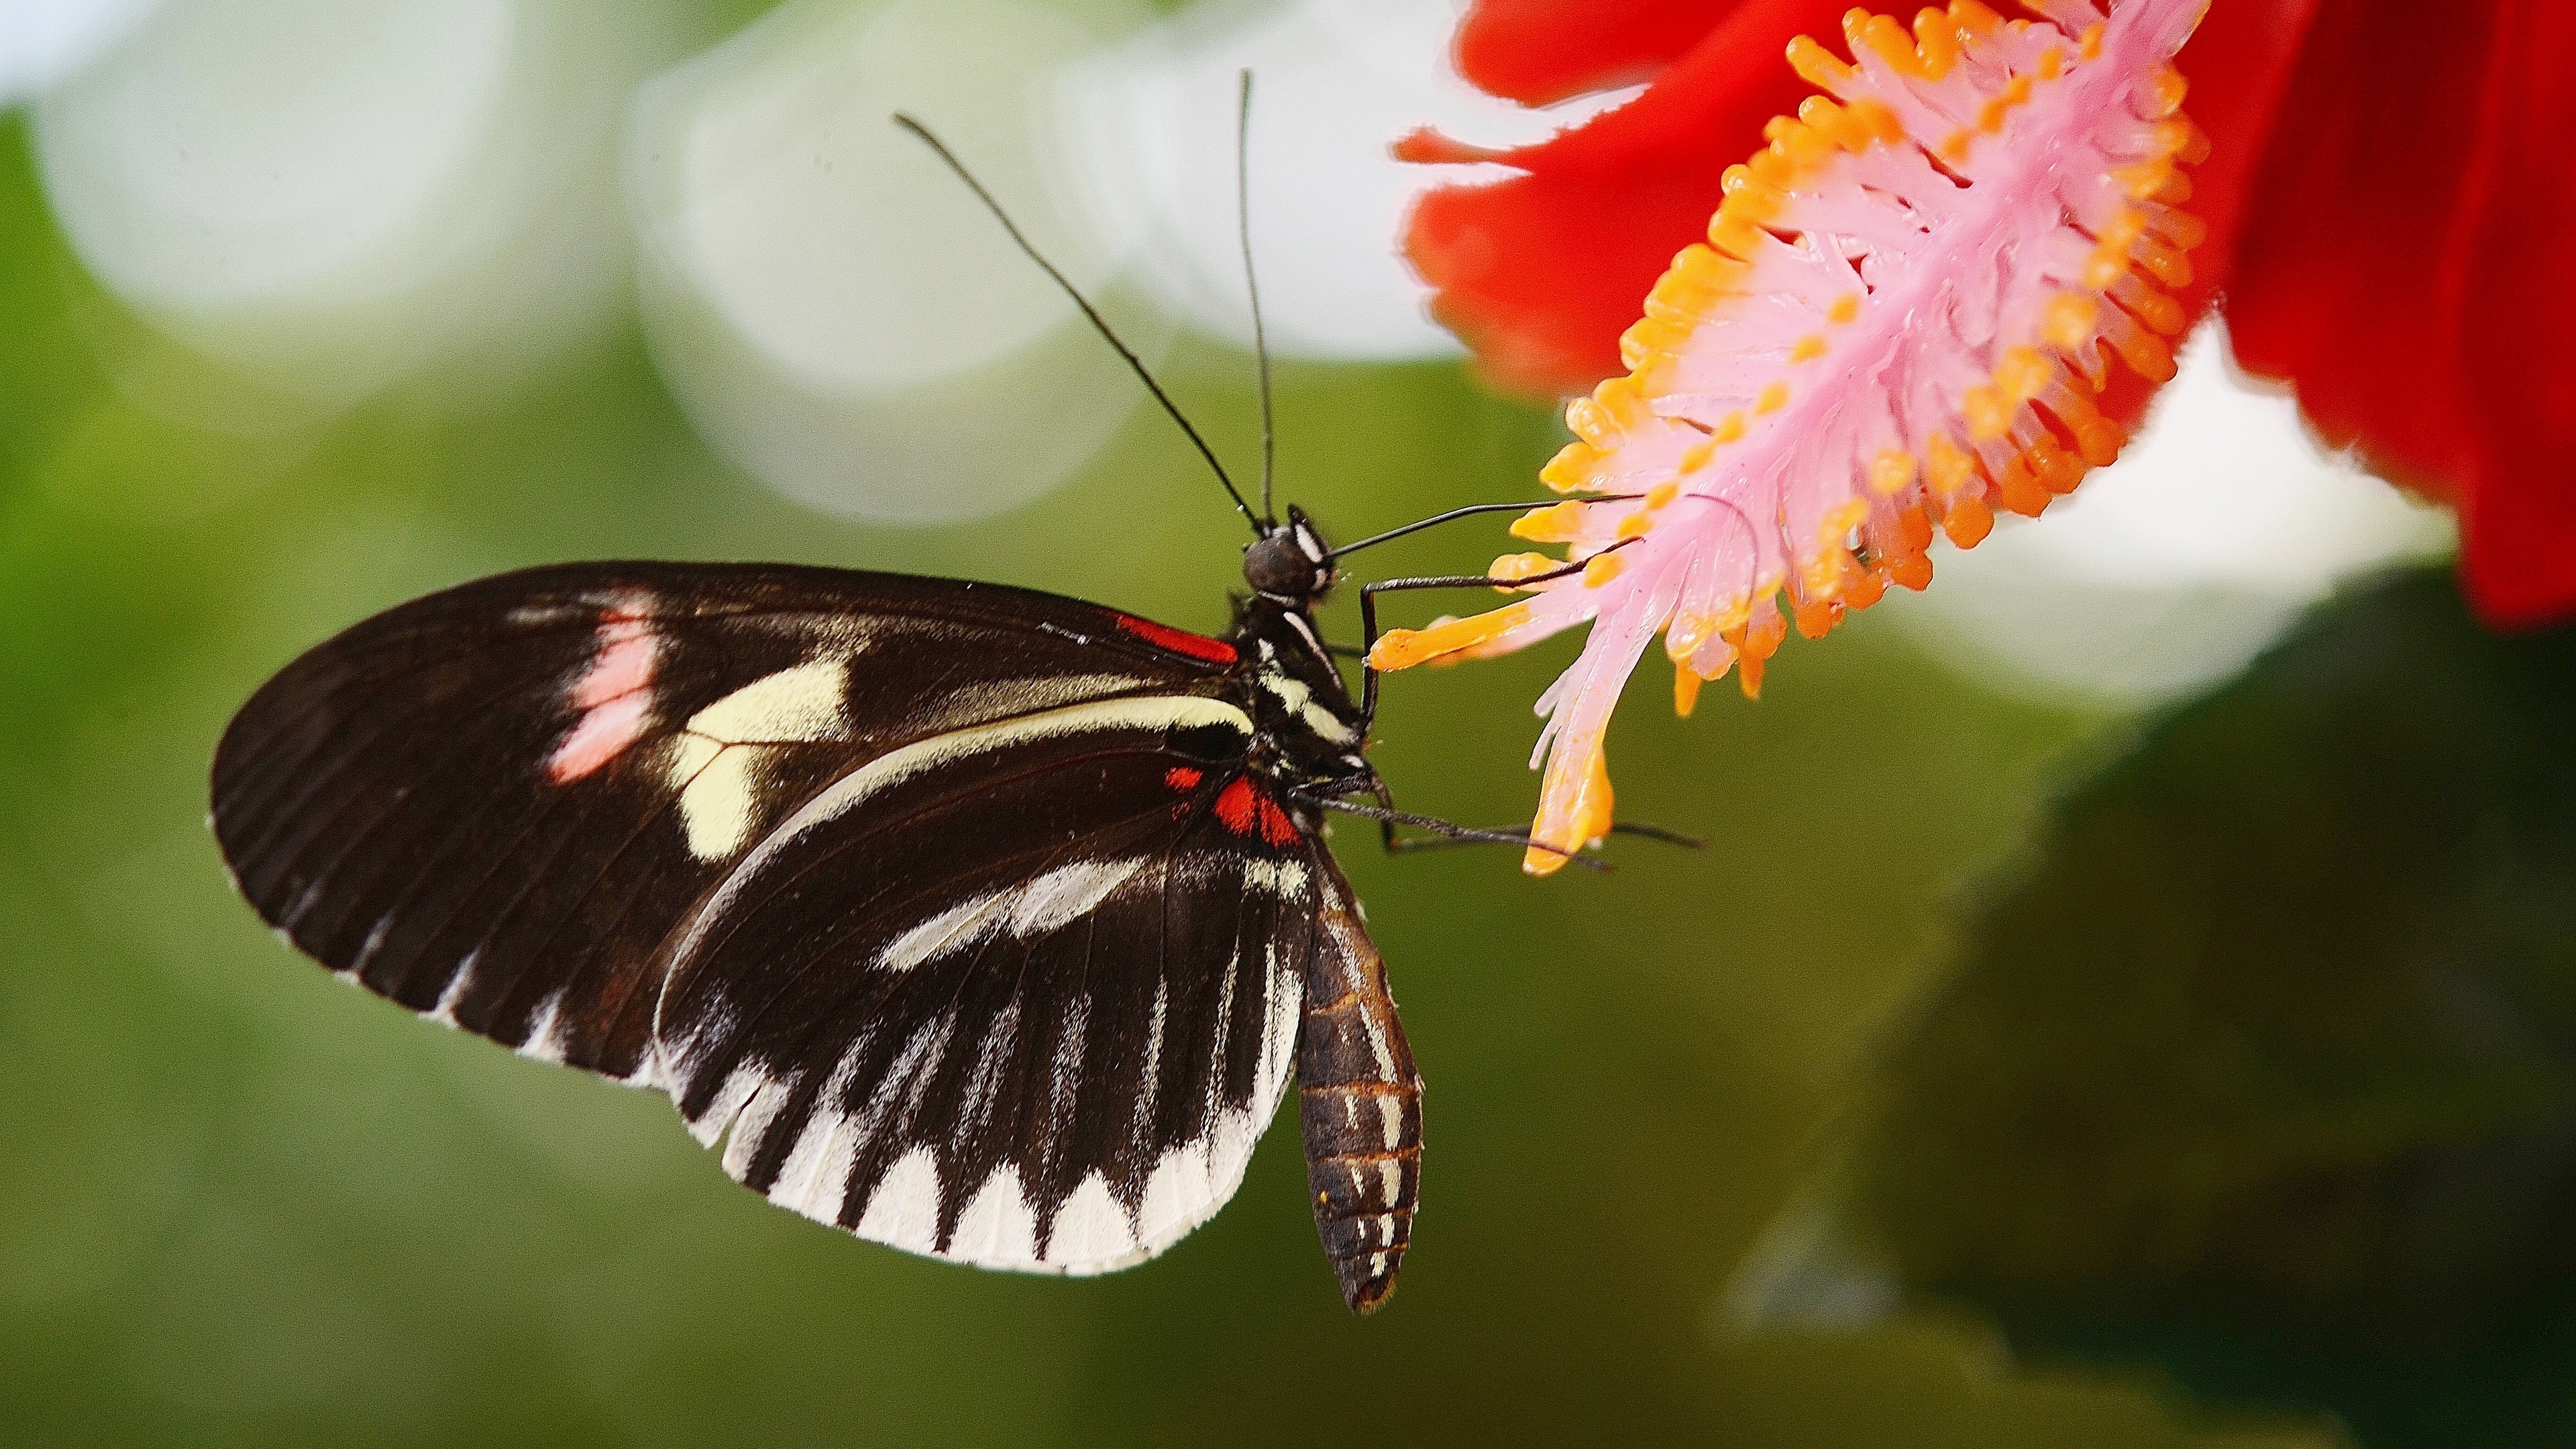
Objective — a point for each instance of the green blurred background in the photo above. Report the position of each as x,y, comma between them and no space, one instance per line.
1992,1078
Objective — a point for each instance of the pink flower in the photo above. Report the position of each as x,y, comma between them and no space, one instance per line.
1905,316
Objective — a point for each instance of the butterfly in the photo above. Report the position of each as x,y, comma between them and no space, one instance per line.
984,923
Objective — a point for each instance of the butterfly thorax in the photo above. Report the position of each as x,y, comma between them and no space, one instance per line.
1308,733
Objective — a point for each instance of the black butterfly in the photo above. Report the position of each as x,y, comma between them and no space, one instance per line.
980,922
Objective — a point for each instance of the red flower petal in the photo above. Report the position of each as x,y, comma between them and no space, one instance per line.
1540,51
2518,331
1540,273
2405,267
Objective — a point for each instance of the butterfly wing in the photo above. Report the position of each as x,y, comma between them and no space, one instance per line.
1023,996
495,804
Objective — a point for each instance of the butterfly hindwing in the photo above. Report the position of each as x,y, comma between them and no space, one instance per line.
1024,1002
496,804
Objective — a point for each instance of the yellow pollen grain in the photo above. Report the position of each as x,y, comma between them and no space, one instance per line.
1728,429
1696,456
1844,309
2052,63
1602,569
1773,398
2091,46
1512,567
1636,524
1808,348
1955,149
1662,493
1890,471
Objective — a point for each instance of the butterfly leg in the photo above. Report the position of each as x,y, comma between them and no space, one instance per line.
1368,611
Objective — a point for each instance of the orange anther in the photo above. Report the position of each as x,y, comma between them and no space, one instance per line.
2164,263
1404,648
1972,17
1685,690
2168,88
2020,490
1772,398
1967,521
1891,471
1845,308
1662,494
1735,235
1696,456
1556,523
1937,40
2178,227
1728,429
1572,468
1910,570
1915,529
1515,566
1808,348
2145,352
1891,44
2090,47
1635,525
1817,618
1602,568
2158,311
2058,470
1818,66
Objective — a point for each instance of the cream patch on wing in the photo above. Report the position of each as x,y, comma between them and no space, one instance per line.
714,763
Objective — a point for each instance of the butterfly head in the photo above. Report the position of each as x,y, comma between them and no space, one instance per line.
1290,564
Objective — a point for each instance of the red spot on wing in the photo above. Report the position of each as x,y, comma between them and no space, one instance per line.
1196,646
1245,811
1235,808
1181,777
1276,827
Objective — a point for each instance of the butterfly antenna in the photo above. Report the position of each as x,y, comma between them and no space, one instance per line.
1251,281
1099,323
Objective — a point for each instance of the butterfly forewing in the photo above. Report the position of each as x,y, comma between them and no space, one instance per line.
495,804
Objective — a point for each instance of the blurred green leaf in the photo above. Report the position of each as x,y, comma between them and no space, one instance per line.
2264,1067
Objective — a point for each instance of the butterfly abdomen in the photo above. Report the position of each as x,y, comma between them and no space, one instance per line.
1362,1107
